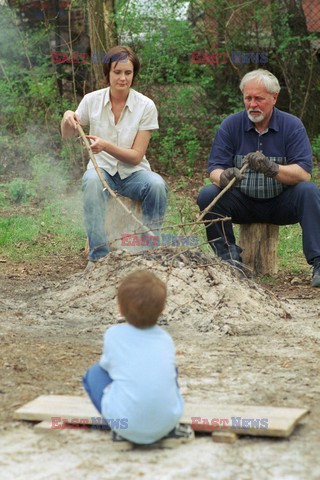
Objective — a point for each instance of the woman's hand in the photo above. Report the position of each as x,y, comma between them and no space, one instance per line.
98,144
71,119
131,156
69,124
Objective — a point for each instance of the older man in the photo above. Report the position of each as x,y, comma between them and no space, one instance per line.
276,188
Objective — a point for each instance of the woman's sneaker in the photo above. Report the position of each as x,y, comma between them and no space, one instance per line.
180,434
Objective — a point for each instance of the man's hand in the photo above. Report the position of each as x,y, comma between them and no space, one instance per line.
98,144
260,163
228,174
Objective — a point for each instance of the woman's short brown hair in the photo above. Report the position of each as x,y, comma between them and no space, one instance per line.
121,54
142,297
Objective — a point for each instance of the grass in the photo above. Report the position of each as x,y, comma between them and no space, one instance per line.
182,209
290,249
30,233
55,228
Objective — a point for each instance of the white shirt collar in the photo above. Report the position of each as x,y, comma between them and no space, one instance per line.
129,102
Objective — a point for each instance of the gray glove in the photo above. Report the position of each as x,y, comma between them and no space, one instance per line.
228,174
259,163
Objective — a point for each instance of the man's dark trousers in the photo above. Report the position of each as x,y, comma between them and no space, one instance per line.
296,204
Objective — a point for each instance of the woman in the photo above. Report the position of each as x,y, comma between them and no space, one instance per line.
121,120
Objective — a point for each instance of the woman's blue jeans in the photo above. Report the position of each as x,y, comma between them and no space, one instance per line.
144,186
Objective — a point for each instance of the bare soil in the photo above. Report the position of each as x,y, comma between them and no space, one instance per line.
236,341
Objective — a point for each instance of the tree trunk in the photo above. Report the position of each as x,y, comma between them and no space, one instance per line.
259,242
102,31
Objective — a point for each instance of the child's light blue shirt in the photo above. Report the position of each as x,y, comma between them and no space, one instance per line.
141,363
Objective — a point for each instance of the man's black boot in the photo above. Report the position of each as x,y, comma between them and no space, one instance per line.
229,253
315,282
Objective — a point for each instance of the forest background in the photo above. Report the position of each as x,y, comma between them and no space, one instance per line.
193,55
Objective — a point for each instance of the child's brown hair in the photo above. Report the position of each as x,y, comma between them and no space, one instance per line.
142,297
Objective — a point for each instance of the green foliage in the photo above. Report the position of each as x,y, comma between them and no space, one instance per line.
178,151
166,55
27,81
180,144
4,202
316,147
49,179
316,174
19,190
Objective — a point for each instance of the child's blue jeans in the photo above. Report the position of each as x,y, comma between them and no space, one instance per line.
95,381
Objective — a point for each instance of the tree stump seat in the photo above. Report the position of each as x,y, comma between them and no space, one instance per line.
259,243
118,222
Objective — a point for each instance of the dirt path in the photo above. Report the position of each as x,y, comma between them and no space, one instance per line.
235,343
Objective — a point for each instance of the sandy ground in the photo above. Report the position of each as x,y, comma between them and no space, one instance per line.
236,343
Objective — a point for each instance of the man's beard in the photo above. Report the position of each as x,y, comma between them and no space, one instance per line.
254,118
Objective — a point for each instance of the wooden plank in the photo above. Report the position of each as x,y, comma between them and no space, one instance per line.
45,426
224,436
48,426
239,419
243,419
66,407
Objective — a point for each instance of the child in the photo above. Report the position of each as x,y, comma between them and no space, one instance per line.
134,385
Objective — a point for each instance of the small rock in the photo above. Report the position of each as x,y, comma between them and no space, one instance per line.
296,281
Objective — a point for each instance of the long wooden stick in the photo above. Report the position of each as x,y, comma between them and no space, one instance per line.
217,198
104,183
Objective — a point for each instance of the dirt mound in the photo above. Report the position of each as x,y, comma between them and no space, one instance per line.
203,293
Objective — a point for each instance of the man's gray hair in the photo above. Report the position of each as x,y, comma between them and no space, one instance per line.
261,76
